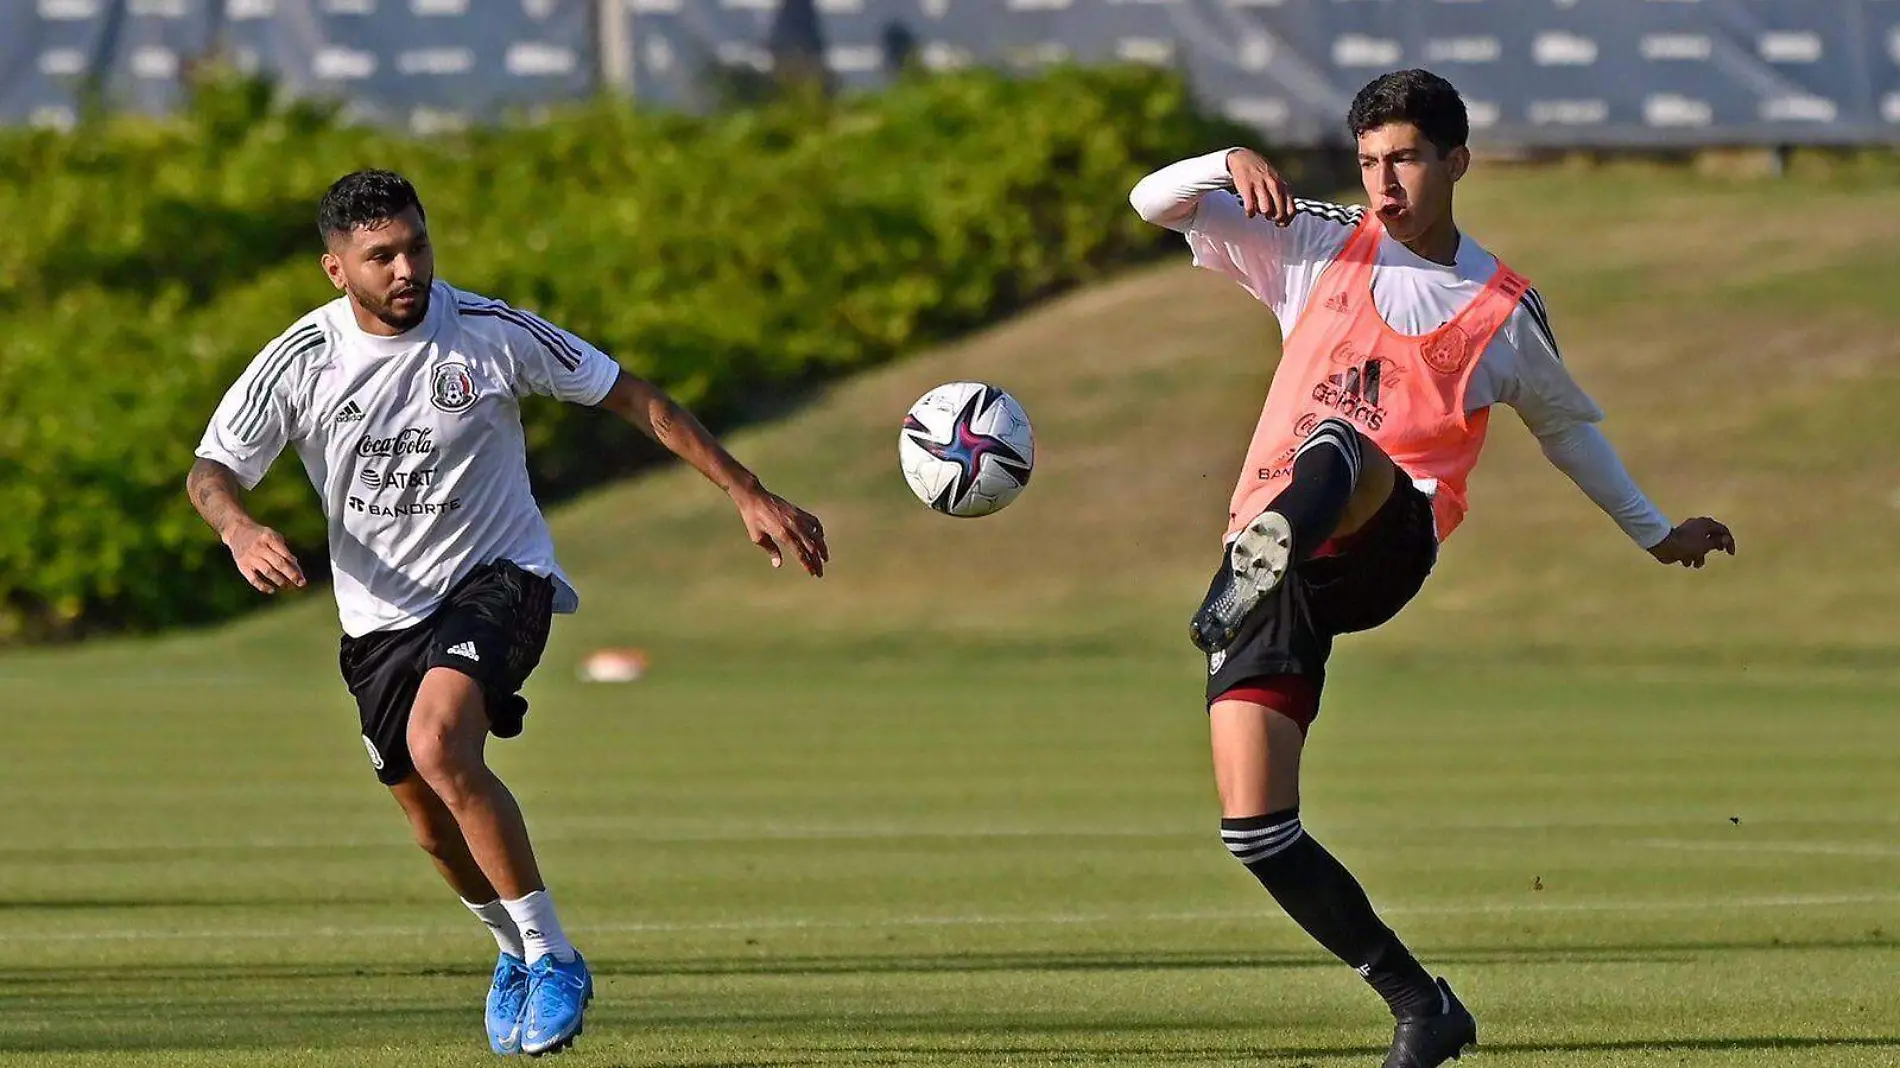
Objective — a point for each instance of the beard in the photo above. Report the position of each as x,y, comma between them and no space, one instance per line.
398,318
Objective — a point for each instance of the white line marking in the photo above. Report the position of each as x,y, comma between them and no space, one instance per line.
1831,849
598,829
1048,920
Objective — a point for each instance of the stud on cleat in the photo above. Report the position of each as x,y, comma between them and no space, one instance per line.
1257,562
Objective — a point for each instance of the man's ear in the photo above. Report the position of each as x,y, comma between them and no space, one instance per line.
1460,159
333,267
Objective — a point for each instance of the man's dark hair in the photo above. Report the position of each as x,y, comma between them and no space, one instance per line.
1416,96
364,198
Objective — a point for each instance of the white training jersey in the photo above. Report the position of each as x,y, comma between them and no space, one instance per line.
414,444
1521,368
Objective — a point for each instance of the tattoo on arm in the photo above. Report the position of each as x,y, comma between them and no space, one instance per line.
666,421
663,417
677,428
214,493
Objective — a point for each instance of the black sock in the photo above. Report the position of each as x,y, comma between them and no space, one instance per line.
1323,898
1325,472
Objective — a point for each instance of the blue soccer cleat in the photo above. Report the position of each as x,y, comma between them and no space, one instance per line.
507,1004
558,993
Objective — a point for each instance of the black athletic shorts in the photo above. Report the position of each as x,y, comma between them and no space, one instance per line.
492,627
1354,583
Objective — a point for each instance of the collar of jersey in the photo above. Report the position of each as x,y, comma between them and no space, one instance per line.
1471,260
408,339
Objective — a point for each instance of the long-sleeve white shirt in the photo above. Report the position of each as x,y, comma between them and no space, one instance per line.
1521,367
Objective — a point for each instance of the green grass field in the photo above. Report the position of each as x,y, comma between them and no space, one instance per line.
951,805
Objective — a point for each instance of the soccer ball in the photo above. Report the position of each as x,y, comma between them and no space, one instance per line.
966,449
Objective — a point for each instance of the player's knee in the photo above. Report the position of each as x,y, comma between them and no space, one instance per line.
437,757
1340,434
1334,440
1371,456
1337,428
1257,840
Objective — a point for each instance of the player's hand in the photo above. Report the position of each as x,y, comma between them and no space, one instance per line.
263,557
775,525
1692,542
1261,189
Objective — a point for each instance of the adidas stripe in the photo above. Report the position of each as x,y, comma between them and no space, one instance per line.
1249,847
1338,434
1533,302
1344,215
559,347
270,370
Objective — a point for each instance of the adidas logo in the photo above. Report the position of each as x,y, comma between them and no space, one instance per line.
1361,382
465,649
1337,302
351,412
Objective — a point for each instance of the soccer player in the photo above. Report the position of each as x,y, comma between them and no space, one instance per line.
402,400
1401,333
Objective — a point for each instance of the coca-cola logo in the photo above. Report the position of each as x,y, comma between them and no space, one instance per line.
412,441
1347,352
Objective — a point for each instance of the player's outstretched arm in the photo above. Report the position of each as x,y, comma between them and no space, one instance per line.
1563,418
772,522
1581,451
261,554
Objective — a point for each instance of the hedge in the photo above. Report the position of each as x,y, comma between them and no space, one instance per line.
735,259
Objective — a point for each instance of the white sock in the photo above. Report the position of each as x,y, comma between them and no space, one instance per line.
500,924
540,931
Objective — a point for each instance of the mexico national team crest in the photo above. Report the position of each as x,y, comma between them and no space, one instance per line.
1447,350
451,388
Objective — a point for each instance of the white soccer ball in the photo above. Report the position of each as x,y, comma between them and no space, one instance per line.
966,449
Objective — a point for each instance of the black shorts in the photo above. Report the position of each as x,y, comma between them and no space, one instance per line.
492,627
1353,584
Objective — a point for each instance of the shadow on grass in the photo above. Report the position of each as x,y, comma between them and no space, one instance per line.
46,978
1279,1055
48,1007
1126,1043
1291,1057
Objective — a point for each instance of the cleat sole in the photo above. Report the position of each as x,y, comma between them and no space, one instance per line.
1257,562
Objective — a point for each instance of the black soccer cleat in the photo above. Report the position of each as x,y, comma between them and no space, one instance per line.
1257,562
1429,1041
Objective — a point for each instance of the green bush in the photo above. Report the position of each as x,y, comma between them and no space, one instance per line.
735,259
